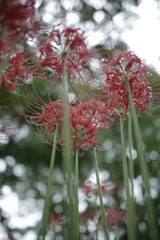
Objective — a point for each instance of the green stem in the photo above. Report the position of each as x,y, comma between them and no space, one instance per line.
130,145
129,200
76,212
97,223
49,185
144,168
68,163
96,234
104,217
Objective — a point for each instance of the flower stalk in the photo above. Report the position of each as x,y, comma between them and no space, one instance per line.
130,146
49,185
104,217
129,199
143,167
68,163
76,201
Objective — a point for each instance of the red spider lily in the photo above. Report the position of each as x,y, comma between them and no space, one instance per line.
20,68
5,45
56,219
87,119
52,115
15,16
98,112
116,217
90,188
13,71
17,23
63,40
127,67
82,129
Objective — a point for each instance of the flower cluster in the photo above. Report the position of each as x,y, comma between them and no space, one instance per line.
52,115
17,71
90,188
18,24
126,67
56,219
115,217
16,17
87,119
63,40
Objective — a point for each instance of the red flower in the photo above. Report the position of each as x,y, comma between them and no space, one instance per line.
16,19
63,40
52,115
56,219
5,45
116,217
16,16
87,119
44,116
127,67
18,69
98,113
90,188
83,131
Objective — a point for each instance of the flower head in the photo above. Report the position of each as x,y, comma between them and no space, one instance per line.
57,220
20,68
127,67
87,119
62,40
116,217
90,188
16,16
52,115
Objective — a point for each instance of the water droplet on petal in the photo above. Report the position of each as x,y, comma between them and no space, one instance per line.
28,79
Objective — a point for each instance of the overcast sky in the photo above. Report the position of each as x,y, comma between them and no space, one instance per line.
144,37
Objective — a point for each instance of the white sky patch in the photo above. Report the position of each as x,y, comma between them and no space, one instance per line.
3,166
98,4
72,97
68,4
99,16
95,38
28,221
72,19
10,203
144,37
